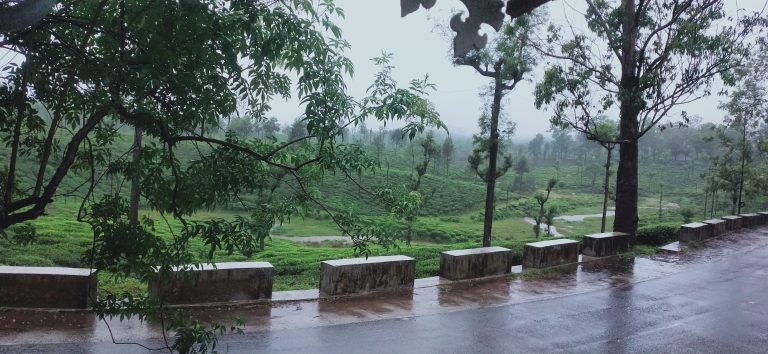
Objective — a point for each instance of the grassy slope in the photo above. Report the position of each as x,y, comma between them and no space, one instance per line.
452,218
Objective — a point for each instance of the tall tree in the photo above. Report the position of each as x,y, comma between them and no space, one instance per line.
521,184
269,127
561,142
747,108
448,149
656,55
536,145
506,63
297,129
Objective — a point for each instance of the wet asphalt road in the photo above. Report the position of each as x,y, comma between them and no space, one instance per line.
714,308
718,307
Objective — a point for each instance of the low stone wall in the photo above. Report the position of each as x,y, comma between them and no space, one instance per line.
47,287
695,231
717,227
750,220
361,275
732,222
605,244
550,253
475,263
229,281
763,217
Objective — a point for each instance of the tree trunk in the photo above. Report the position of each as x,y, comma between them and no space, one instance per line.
20,98
493,151
605,187
743,165
626,176
661,197
133,216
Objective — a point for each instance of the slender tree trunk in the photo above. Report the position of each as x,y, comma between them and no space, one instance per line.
133,216
605,187
21,107
626,175
493,151
706,201
661,196
743,163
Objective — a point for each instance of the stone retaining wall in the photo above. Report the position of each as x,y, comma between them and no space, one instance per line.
47,287
750,220
222,282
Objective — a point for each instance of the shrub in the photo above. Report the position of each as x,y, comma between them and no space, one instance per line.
453,219
658,235
687,214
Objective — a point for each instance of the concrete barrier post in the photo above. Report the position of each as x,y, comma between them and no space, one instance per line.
361,275
550,253
475,263
220,282
732,222
605,244
47,287
717,227
695,231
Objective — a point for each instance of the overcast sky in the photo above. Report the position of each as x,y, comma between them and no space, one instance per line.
419,48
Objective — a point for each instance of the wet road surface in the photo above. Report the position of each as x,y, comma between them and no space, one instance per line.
716,301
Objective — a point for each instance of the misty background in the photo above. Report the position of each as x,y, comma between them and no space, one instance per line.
421,45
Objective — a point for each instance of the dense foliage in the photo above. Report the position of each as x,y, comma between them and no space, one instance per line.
640,59
174,71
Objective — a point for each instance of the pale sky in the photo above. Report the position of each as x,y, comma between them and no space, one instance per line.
419,48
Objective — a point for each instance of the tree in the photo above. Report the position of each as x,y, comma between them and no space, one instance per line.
241,126
448,152
506,64
538,211
269,127
521,184
561,142
379,143
297,130
747,107
605,134
429,150
656,55
100,65
535,146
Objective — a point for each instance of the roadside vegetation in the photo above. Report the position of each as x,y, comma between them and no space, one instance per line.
139,136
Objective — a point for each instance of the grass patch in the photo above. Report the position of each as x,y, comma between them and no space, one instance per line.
640,250
119,286
540,274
